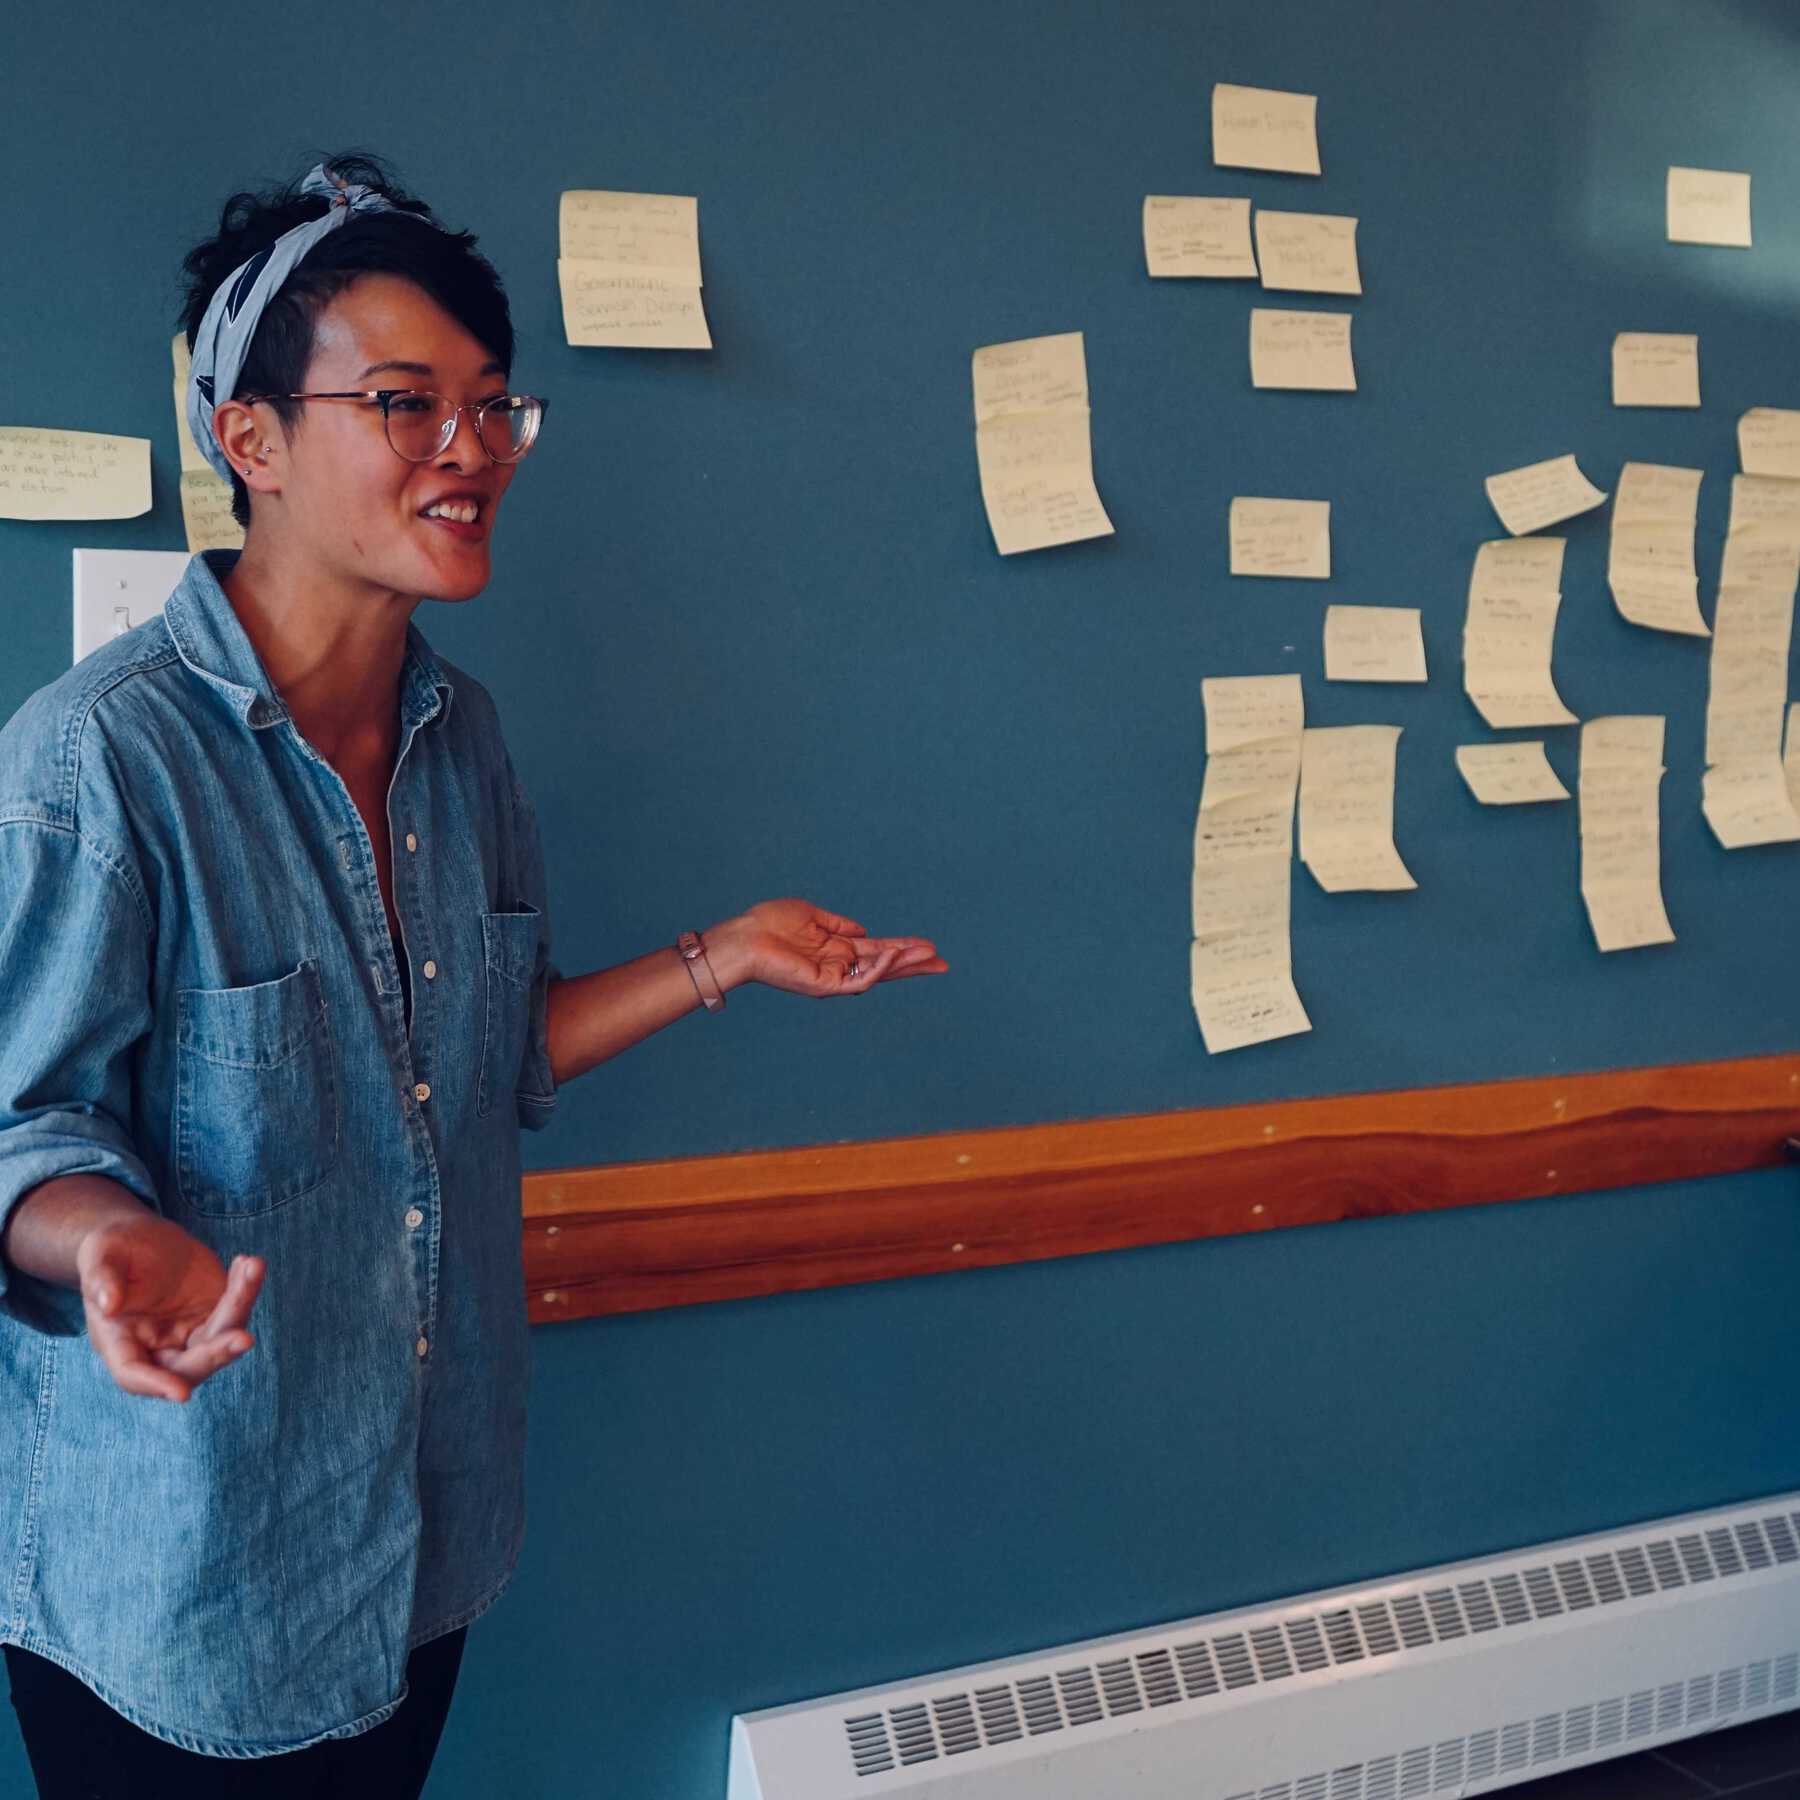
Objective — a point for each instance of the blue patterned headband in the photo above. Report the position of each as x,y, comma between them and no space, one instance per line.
223,340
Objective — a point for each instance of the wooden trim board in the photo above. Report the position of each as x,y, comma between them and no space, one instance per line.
629,1237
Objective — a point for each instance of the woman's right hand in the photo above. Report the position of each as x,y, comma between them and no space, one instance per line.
162,1312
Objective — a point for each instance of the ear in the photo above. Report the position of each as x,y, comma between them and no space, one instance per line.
248,448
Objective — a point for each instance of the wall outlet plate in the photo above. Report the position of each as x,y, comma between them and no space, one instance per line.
117,589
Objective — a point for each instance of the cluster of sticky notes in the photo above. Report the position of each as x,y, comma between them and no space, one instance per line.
629,270
1209,236
1033,443
1240,962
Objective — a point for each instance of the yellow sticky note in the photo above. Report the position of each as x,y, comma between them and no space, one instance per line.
1265,128
630,270
1709,206
72,474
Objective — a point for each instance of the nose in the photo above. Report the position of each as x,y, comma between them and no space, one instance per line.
465,451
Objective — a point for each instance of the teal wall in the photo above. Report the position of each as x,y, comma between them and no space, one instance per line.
750,637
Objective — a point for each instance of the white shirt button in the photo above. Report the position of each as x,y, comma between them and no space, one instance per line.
412,843
421,1346
414,1217
422,1091
431,971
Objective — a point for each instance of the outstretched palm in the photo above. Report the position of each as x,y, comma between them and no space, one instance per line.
804,949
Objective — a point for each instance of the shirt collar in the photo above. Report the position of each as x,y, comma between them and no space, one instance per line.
210,638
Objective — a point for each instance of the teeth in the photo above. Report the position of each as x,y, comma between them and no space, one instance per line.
462,511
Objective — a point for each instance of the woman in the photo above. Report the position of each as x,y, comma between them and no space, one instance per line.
274,970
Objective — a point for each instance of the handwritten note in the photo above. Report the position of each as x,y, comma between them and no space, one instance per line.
1650,563
1190,234
206,512
1656,368
1312,253
1265,128
1709,206
205,494
1541,494
1281,537
1746,802
1347,808
1510,627
72,474
1373,643
1762,536
630,270
1300,350
1240,963
1769,442
1032,443
1621,840
1516,774
1746,698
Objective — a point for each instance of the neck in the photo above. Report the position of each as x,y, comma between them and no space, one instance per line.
333,648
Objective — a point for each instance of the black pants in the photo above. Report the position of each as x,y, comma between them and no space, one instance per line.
81,1749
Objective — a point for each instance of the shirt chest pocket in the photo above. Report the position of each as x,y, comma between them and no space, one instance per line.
256,1100
509,953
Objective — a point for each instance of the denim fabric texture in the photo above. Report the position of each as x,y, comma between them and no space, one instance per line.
199,998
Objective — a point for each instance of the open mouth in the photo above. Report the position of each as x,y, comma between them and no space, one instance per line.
466,519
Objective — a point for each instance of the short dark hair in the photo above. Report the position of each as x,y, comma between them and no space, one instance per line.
445,264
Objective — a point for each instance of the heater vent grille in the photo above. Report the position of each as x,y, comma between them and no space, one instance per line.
1552,1737
1202,1669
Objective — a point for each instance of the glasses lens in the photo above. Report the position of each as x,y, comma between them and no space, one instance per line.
416,422
509,426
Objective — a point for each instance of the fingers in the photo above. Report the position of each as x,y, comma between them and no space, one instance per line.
243,1282
130,1364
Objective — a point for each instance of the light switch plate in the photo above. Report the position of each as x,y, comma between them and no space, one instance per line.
117,589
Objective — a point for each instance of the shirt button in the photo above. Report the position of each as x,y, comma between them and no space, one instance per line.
422,1091
412,843
421,1346
431,971
414,1217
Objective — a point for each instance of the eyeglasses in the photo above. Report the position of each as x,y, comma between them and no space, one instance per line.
420,425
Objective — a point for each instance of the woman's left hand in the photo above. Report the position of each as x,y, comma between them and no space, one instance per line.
803,949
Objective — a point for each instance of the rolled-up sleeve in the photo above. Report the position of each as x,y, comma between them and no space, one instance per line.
535,1090
75,955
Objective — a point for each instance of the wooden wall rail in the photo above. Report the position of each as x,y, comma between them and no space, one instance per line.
628,1237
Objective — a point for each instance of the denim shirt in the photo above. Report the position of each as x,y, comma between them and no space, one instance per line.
199,999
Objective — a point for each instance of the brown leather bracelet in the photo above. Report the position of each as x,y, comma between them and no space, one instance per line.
693,953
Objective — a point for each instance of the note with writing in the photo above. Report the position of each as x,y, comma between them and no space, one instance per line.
1656,368
1311,253
1769,442
1240,963
1513,774
205,494
1194,234
1762,536
1281,537
48,474
630,270
1509,630
1747,687
1373,643
1032,443
1347,808
1300,350
1709,206
1621,834
1265,128
1746,802
1541,494
1650,562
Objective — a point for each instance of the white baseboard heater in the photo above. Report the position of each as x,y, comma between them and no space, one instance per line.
1451,1680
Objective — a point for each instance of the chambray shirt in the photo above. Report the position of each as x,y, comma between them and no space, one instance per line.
199,998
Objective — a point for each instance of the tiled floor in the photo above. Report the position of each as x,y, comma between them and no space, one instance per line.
1750,1762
